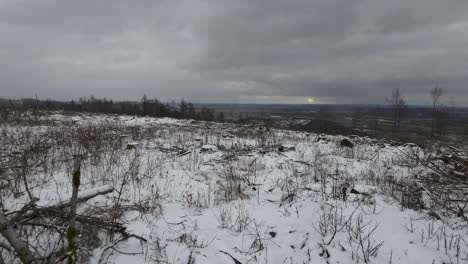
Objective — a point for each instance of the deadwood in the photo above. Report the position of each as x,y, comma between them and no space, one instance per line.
83,197
72,232
20,246
23,210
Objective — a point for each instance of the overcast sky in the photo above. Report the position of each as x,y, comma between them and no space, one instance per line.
261,51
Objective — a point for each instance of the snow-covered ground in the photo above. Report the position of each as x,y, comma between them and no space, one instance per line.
196,192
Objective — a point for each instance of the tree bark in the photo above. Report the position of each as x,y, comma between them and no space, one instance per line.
60,206
72,232
20,247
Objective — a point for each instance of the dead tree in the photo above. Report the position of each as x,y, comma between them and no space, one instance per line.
19,245
72,231
398,104
435,94
442,116
29,213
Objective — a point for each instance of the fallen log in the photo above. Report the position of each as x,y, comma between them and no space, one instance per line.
83,197
105,224
15,241
20,246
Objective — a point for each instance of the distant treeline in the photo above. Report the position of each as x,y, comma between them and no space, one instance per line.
146,107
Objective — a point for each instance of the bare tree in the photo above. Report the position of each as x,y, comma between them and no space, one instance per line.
398,104
72,231
441,121
435,94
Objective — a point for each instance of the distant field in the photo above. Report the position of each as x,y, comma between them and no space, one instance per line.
375,120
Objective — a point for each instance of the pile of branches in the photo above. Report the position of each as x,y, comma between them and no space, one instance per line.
442,189
56,233
456,160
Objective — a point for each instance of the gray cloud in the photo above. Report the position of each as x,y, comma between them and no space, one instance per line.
344,51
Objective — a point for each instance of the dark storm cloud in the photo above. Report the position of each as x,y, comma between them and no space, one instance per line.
345,51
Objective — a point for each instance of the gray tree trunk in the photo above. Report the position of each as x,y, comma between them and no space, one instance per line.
72,232
20,247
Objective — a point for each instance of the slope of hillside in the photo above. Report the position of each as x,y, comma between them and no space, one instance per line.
196,192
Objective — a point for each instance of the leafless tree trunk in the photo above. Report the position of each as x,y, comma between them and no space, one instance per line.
442,116
398,104
72,231
20,247
435,94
